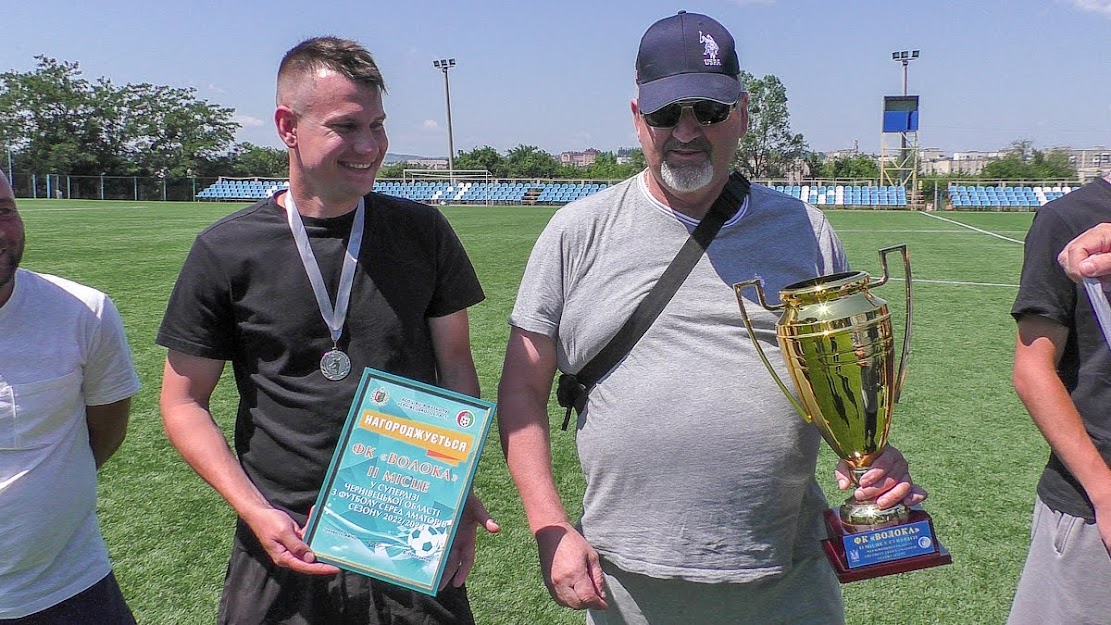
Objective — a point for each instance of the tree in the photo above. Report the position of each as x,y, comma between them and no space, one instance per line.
529,161
1023,162
170,131
51,117
769,149
813,162
856,167
58,122
484,157
249,159
606,167
636,159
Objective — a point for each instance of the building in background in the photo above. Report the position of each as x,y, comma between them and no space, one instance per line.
934,162
1090,163
582,159
626,155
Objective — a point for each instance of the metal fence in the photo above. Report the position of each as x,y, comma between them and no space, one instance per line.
185,189
136,188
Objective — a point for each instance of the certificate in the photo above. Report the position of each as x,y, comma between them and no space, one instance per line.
394,493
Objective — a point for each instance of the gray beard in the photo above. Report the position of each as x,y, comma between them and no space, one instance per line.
687,179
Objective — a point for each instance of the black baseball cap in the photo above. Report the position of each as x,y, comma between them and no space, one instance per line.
686,56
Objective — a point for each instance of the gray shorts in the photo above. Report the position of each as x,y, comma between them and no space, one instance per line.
1067,575
808,594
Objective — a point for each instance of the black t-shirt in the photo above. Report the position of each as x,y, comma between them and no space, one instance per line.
1085,365
243,295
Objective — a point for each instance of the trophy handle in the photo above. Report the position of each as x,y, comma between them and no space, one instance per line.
739,288
906,333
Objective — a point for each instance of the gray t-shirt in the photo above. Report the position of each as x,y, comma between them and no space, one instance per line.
696,465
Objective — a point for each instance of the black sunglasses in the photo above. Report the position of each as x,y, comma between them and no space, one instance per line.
707,112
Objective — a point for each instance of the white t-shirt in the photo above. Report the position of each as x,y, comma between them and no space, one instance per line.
62,348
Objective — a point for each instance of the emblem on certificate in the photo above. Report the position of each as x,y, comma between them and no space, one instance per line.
837,340
335,365
394,493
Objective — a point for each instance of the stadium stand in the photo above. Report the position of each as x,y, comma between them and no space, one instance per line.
981,197
552,193
847,195
436,192
562,193
234,189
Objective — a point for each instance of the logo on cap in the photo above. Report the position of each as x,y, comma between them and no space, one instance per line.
710,52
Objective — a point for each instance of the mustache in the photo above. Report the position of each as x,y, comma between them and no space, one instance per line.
700,144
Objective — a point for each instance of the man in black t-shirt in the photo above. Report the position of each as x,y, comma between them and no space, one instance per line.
299,292
1063,376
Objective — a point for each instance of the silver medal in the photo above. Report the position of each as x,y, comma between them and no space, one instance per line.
335,365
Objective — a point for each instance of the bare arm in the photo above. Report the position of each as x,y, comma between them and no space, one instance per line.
526,384
1038,349
187,385
107,427
570,566
451,344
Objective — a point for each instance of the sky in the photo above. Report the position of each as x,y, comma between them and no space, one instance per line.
559,75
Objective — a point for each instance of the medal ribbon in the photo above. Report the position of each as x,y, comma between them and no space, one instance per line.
334,318
1099,306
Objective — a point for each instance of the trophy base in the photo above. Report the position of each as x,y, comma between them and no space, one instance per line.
876,553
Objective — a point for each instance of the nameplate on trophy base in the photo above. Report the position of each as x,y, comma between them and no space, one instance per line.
394,493
874,553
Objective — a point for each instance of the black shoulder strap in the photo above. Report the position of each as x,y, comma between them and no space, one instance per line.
574,388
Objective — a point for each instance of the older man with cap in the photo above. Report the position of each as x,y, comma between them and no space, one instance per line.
701,504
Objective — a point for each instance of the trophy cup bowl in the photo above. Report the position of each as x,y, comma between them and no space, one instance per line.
837,340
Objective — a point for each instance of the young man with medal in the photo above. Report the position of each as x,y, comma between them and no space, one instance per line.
300,292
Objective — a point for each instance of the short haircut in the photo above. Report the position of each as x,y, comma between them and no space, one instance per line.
342,56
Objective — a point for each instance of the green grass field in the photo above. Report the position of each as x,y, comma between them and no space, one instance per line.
968,438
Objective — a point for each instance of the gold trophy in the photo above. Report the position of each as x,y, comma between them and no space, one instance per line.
837,340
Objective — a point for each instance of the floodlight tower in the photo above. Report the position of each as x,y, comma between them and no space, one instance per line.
900,115
444,65
904,57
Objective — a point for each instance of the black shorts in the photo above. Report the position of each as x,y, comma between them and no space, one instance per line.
99,604
257,592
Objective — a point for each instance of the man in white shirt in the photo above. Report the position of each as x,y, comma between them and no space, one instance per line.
66,380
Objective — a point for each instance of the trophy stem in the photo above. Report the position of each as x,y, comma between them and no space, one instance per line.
864,516
856,473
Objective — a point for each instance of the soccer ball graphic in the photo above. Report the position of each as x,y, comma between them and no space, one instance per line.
427,541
